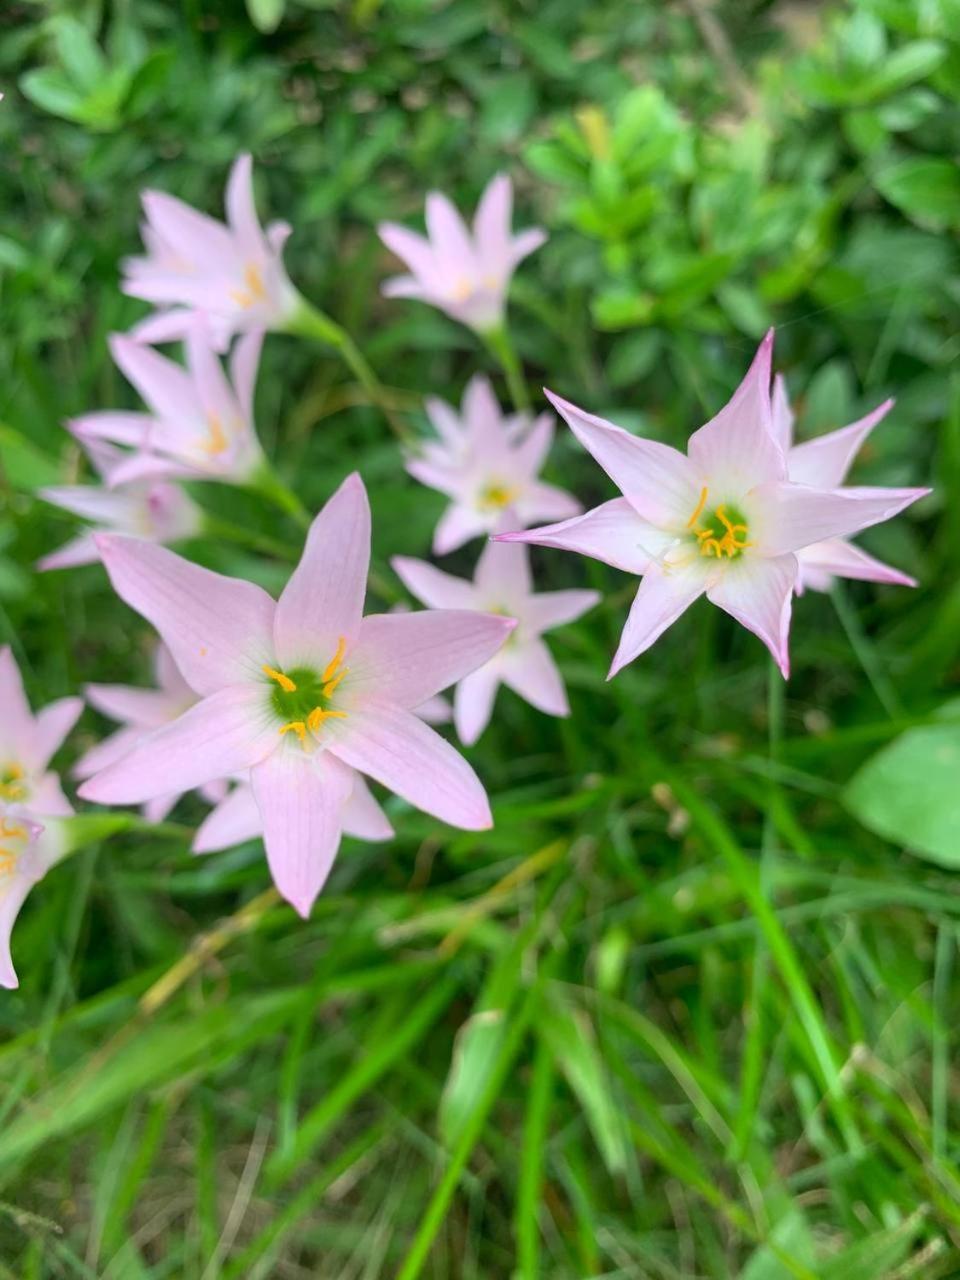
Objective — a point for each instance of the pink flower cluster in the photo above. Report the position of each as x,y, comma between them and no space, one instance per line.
280,712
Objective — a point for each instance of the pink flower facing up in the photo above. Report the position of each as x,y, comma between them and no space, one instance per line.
139,711
824,462
724,519
300,691
466,274
488,464
199,424
502,584
31,798
231,273
155,510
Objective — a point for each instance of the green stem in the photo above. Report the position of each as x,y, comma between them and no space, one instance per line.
501,348
260,542
269,485
866,654
310,322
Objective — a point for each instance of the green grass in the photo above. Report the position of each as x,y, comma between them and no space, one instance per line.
682,1013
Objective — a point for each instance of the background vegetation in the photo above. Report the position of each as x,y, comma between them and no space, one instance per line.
688,1011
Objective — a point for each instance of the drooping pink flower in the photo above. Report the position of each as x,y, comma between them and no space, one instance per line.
199,424
488,465
824,462
502,584
231,273
723,520
465,273
31,798
155,510
139,711
300,692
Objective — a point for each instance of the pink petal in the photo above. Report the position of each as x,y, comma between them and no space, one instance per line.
473,702
131,429
244,362
324,598
759,594
218,629
781,414
412,249
435,710
457,525
502,575
113,748
158,809
491,223
556,608
235,820
47,799
392,746
405,658
165,385
242,211
301,799
659,602
433,587
525,243
737,449
88,502
212,391
791,516
658,481
842,559
13,891
163,326
228,732
481,414
51,726
531,672
547,502
443,478
17,731
76,552
404,287
198,238
612,532
445,420
824,461
530,455
362,816
145,466
449,237
143,708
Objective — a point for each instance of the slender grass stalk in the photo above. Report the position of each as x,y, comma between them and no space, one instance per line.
500,346
866,653
532,1164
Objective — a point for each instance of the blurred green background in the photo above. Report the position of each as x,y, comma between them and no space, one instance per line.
689,1010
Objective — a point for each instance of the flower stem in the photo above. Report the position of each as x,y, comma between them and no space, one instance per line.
268,483
260,542
309,321
502,349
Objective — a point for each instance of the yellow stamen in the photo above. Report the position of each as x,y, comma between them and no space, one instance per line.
700,505
285,683
12,830
329,687
11,786
8,862
254,292
330,670
215,441
297,727
317,716
496,496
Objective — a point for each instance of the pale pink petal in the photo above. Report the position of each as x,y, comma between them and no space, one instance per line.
445,420
841,559
228,732
434,476
242,211
167,674
47,799
473,702
363,817
457,525
433,587
158,809
235,820
759,594
502,575
659,602
824,461
218,629
113,748
17,734
88,502
198,238
130,429
435,710
531,672
781,414
163,326
13,890
213,394
165,385
301,800
414,250
324,598
78,551
404,287
556,608
737,449
145,466
612,532
244,362
526,242
491,223
658,481
449,237
405,658
51,726
790,516
144,708
547,502
398,750
278,233
481,411
530,455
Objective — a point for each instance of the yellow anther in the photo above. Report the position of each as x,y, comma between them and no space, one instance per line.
11,786
700,505
285,683
254,292
8,862
215,441
330,670
329,687
496,496
12,830
297,727
317,716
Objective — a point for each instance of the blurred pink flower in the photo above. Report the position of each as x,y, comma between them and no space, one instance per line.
30,793
824,462
487,464
139,711
724,519
502,584
151,509
232,273
465,274
199,425
300,692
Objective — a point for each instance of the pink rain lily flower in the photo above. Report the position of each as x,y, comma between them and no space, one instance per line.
824,461
155,510
724,520
487,464
31,798
199,424
139,711
466,274
300,692
231,273
502,584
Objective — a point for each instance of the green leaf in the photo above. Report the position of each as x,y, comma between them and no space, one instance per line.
79,53
50,90
908,793
926,190
266,15
25,466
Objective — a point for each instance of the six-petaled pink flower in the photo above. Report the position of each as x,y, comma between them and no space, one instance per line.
231,273
502,584
488,464
300,691
156,510
31,798
199,424
465,273
824,461
724,520
138,711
